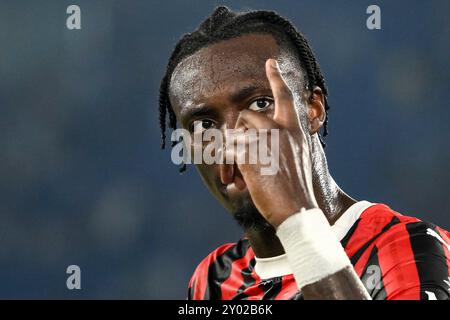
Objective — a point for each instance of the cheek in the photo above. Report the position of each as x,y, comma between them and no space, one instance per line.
210,175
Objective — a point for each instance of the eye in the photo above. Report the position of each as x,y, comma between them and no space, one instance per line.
199,126
261,104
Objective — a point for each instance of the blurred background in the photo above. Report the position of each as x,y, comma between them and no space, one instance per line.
83,180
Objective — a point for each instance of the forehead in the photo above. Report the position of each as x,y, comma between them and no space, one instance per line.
222,67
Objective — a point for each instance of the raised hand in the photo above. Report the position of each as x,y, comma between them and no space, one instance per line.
289,188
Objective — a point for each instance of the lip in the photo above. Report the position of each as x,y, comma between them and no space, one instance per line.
233,192
237,187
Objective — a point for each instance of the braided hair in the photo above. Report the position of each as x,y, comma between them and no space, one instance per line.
225,24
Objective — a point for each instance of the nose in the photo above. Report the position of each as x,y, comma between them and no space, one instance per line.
227,171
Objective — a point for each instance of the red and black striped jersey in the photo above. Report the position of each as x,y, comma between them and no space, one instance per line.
396,257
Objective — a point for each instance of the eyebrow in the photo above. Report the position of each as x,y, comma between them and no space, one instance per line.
244,93
195,111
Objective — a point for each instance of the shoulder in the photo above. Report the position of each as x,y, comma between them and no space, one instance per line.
373,224
381,215
385,225
382,226
412,256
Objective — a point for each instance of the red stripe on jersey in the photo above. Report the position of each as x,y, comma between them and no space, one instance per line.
395,253
373,219
366,231
288,288
201,273
231,285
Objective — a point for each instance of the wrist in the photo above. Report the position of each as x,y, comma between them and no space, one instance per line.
312,249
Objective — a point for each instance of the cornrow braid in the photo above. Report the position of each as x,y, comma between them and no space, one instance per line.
224,24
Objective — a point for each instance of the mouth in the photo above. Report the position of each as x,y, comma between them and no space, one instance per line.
237,187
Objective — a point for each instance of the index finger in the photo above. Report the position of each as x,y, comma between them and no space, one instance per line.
284,102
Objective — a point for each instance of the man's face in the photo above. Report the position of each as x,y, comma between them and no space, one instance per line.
211,88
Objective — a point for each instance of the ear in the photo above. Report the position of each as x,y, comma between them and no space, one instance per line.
315,109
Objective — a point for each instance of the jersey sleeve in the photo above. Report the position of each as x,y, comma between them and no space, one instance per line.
411,262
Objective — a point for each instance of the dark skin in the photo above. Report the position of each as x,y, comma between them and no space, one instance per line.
250,82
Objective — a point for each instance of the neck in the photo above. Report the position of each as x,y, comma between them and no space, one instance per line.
332,200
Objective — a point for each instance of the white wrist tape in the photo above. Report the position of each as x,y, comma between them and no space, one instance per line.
312,249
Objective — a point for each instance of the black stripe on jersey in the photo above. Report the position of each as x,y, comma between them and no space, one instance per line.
349,234
248,280
354,259
220,269
430,260
271,288
207,295
372,277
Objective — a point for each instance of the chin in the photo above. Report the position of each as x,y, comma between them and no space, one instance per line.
248,217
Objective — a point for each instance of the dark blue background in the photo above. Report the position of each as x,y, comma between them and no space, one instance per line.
83,180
